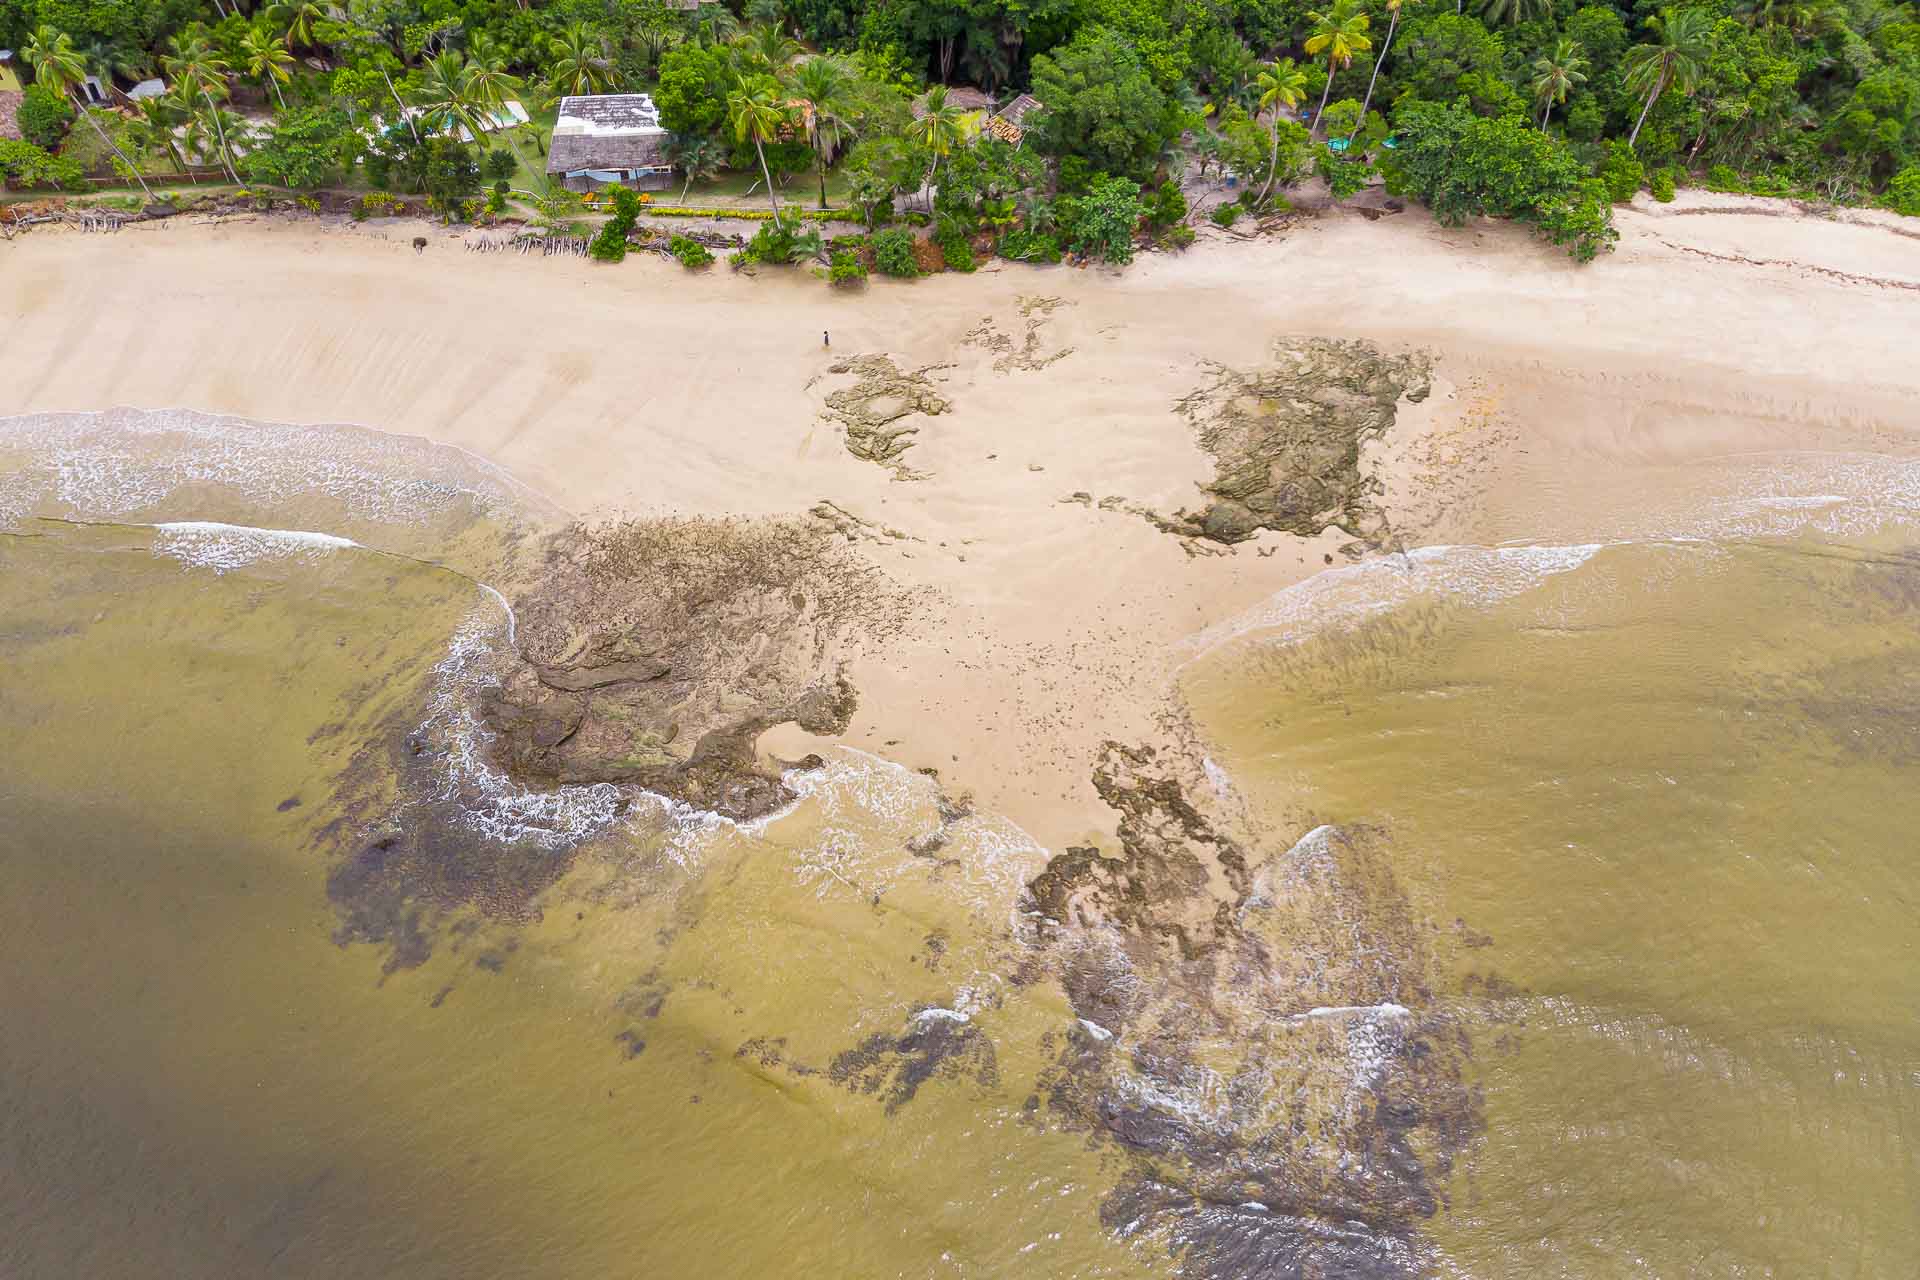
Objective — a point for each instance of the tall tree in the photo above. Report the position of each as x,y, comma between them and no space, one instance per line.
450,96
1340,32
696,155
197,71
1497,13
1558,74
266,60
580,62
1393,21
755,115
158,116
298,18
59,66
1677,59
1281,85
821,86
938,129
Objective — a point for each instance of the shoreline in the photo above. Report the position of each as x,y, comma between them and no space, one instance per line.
1560,392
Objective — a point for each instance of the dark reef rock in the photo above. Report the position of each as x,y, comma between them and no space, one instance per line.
1286,440
1258,1031
657,652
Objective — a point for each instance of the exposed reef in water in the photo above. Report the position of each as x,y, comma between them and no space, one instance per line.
1286,440
656,652
1257,1030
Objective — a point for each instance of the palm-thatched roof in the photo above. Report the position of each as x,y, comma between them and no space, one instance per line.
963,97
607,131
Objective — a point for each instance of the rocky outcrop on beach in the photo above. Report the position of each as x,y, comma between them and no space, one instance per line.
657,652
876,409
1256,1030
1286,440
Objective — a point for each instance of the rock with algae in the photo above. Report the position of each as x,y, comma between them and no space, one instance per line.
1256,1033
875,409
1286,439
657,652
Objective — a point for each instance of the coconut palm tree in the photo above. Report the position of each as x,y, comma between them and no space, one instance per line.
1281,85
938,129
158,116
714,24
59,66
1506,12
1340,32
197,71
696,155
208,126
449,95
580,62
756,115
820,84
298,18
770,46
1557,75
489,82
1677,59
1393,21
267,61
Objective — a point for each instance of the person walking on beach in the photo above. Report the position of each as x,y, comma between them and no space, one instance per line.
826,339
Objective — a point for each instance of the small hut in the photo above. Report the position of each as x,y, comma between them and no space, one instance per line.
609,139
1009,122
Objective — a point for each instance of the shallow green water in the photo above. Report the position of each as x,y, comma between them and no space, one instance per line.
1665,794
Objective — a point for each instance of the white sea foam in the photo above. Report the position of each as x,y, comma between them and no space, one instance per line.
208,544
489,803
1348,594
125,463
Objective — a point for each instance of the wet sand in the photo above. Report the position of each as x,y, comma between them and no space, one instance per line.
1719,328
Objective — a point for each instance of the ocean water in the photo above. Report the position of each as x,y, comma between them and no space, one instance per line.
1659,796
294,982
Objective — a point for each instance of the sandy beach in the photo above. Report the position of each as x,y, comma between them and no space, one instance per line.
1721,327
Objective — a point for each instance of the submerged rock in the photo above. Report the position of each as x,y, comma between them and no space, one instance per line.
1256,1030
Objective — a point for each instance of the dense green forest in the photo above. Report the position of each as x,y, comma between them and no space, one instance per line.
1530,109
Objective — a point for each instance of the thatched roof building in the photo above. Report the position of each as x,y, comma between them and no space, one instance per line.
965,98
607,139
1009,123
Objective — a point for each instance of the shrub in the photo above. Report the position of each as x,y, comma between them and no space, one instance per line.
1661,184
1722,178
1023,245
893,253
954,249
1168,206
1225,215
1903,192
1463,166
1102,222
781,241
500,164
690,252
610,245
846,270
24,165
1622,172
1179,237
44,117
